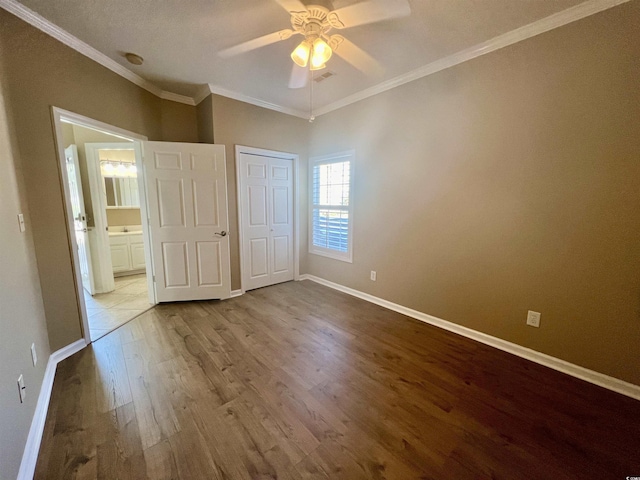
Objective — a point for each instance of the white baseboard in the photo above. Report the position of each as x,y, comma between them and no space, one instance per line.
32,447
611,383
236,293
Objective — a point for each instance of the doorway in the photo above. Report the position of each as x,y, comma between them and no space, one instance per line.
104,192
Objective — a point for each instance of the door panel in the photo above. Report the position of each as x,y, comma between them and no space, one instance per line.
266,203
208,253
171,202
176,264
205,201
258,205
280,206
258,256
188,213
280,254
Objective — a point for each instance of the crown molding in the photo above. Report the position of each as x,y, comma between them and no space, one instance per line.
38,21
203,92
256,101
559,19
174,97
78,45
543,25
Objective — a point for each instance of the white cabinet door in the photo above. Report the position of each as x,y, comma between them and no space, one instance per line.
136,249
120,258
188,219
266,203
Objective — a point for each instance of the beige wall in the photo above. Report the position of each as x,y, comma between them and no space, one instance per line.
179,122
123,216
505,184
41,72
204,112
22,318
238,123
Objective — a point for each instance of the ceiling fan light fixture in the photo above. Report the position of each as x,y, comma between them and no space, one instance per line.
301,54
321,54
319,67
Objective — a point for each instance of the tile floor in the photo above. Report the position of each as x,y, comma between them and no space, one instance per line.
107,311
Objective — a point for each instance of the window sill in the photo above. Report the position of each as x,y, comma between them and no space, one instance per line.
333,255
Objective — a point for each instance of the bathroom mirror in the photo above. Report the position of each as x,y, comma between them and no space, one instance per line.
122,192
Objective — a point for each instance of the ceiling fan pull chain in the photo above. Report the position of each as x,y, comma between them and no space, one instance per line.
311,116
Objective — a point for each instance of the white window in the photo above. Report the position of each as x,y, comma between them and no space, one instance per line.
331,219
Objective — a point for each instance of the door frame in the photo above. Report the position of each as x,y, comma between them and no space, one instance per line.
60,116
296,203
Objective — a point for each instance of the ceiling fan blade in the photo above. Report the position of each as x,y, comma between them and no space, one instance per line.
256,43
368,12
357,57
292,5
299,76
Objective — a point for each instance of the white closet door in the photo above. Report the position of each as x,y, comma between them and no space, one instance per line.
281,217
188,220
266,205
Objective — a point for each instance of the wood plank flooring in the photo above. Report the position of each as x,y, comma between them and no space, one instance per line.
298,381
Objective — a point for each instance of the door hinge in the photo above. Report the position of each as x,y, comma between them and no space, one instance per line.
153,277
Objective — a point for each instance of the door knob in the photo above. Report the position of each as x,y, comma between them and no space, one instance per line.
221,234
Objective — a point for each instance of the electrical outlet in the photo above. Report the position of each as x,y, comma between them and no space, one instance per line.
22,389
21,222
374,275
34,355
533,319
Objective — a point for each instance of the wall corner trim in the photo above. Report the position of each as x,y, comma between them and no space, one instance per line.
32,447
596,378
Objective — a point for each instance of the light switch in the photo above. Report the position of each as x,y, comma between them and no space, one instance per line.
21,222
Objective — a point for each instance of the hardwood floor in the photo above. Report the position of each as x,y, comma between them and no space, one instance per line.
299,381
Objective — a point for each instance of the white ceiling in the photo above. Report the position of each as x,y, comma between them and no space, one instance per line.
179,41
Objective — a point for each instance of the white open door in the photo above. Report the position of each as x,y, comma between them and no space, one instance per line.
188,220
79,217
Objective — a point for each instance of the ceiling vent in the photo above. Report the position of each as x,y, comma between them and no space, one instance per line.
324,76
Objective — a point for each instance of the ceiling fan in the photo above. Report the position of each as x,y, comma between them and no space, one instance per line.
315,22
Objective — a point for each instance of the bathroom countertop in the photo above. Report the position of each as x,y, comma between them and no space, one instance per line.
116,234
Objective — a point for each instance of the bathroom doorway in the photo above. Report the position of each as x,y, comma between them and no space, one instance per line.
107,211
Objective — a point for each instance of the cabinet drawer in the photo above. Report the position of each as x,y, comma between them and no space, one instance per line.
118,239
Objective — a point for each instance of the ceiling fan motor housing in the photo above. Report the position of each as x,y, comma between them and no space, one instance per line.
312,23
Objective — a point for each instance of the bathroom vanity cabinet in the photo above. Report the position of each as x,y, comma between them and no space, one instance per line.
127,252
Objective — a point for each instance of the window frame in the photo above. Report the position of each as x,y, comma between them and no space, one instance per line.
339,157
